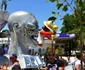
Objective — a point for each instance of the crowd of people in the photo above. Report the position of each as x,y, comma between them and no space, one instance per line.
52,62
14,66
55,63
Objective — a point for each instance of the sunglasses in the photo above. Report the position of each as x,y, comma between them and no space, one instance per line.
50,54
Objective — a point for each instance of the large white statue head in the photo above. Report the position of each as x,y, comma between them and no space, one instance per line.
23,20
23,26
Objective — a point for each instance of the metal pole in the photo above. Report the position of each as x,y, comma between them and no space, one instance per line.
52,45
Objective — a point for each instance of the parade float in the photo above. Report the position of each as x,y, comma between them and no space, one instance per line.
23,26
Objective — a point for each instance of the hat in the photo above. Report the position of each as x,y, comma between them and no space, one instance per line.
13,56
49,24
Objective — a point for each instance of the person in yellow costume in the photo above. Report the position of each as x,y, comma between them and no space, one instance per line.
48,31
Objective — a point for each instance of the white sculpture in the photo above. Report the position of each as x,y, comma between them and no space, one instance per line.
23,26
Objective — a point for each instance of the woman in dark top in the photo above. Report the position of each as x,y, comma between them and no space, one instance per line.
15,64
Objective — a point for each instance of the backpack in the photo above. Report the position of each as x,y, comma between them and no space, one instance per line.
73,64
70,66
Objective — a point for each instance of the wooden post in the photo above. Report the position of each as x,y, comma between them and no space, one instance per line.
52,45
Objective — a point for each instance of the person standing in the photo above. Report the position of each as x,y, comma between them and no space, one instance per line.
4,3
15,64
6,66
77,62
53,63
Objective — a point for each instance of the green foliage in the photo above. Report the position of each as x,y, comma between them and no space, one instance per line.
71,23
59,5
65,8
83,6
60,50
52,0
52,18
53,13
79,2
63,29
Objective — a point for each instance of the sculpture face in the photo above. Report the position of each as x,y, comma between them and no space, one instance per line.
23,21
23,26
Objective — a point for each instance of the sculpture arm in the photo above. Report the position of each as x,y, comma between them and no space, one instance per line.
45,33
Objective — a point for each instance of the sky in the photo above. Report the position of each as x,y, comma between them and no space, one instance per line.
40,8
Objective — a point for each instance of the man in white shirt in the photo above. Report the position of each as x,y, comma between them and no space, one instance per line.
77,62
